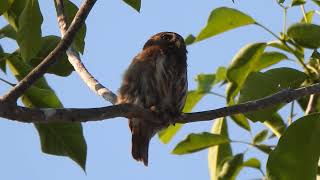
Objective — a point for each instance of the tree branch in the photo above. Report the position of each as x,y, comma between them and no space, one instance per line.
29,115
79,67
63,45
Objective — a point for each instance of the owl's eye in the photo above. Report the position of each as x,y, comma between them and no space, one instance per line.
166,37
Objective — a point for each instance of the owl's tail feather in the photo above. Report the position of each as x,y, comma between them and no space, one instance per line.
140,144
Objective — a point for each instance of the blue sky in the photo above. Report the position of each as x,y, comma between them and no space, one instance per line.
115,34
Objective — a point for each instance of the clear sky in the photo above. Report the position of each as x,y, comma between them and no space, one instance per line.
115,34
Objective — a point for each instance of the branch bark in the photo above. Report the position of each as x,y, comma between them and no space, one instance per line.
29,115
63,45
79,67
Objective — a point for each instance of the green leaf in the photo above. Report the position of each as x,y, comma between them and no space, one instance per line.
189,39
253,163
241,121
135,4
5,5
218,154
268,59
306,35
279,45
297,153
316,2
221,75
309,17
62,139
264,148
261,136
70,11
298,2
273,80
8,31
281,1
29,31
242,64
224,19
205,82
3,66
231,168
197,142
12,15
62,67
276,124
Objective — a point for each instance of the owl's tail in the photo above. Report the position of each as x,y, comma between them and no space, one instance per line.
140,142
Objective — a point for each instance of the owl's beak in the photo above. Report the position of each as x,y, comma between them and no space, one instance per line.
178,44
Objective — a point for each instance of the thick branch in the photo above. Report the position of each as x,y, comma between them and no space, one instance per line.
63,45
29,115
75,61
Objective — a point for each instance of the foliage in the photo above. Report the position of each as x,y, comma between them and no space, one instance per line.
297,147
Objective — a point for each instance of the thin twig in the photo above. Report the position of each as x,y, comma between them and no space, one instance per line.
30,115
77,64
63,45
310,104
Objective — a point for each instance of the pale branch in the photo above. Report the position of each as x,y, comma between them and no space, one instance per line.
30,115
77,64
63,45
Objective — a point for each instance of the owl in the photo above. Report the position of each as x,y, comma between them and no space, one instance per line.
156,80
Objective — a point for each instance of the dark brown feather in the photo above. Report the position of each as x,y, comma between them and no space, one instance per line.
156,80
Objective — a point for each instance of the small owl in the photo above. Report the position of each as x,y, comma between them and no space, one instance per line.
155,80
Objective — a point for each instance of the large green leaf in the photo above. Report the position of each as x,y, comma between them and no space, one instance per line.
29,30
62,67
242,64
268,59
8,31
197,142
217,155
273,80
224,19
5,5
70,10
297,153
135,4
231,168
305,34
62,139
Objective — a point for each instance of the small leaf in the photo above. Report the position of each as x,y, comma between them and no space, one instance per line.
221,75
306,35
241,66
309,17
241,121
276,124
205,82
5,5
189,39
12,15
3,66
261,136
268,59
298,2
297,149
224,19
198,142
8,31
231,168
135,4
218,154
264,148
316,2
279,45
253,163
29,31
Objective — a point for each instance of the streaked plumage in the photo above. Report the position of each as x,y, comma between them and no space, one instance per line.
156,80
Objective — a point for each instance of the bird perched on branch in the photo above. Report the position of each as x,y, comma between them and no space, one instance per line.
155,80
